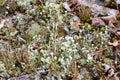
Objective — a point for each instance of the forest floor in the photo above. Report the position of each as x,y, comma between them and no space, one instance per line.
59,40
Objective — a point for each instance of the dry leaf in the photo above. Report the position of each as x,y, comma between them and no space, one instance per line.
106,67
118,32
97,54
1,33
66,30
115,43
76,18
110,24
103,78
2,23
76,24
116,76
118,50
73,3
97,22
110,71
110,18
66,6
8,22
38,48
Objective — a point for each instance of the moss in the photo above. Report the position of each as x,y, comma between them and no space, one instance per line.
30,68
27,37
11,6
61,32
2,2
85,75
83,12
110,3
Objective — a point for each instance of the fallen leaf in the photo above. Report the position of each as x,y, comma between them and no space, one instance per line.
66,30
97,22
115,43
36,48
118,50
2,23
103,77
114,77
1,33
110,18
118,33
8,22
75,22
75,25
99,53
75,18
66,6
73,3
110,24
110,71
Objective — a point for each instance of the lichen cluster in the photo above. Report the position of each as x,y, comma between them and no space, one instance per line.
42,37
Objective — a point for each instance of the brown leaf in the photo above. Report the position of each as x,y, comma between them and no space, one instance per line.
103,77
110,18
108,69
76,23
73,3
115,43
115,76
118,32
118,50
36,48
110,24
2,22
69,6
97,22
1,33
99,53
8,22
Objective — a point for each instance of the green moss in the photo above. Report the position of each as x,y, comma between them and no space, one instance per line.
83,12
2,2
110,3
60,32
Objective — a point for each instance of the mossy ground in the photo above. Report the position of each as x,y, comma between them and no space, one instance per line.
43,36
